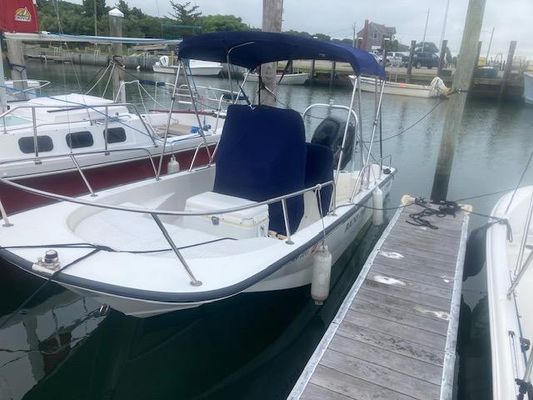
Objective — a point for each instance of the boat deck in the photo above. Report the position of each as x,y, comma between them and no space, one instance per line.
394,336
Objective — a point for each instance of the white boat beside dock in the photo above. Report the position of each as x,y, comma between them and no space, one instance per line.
509,282
197,67
283,79
435,89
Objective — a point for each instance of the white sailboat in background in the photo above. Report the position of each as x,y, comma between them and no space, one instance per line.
63,142
436,88
196,67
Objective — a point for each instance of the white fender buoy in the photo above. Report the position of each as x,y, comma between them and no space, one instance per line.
173,165
164,60
377,203
321,275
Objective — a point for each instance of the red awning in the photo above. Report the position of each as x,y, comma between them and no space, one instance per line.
18,16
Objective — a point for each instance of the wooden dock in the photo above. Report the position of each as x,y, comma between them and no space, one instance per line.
394,336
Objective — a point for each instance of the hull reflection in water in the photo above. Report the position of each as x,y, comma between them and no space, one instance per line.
36,341
230,349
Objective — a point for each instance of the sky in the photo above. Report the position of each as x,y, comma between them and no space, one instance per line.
511,19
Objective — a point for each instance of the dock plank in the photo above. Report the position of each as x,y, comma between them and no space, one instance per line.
395,361
373,373
381,310
405,306
354,388
391,343
392,336
409,333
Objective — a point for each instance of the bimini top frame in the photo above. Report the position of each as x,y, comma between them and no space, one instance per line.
251,49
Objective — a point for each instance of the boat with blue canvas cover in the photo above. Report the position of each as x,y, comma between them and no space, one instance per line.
270,211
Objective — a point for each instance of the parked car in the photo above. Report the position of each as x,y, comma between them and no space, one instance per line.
425,59
396,58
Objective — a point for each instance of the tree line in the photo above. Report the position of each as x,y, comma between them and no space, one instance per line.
184,20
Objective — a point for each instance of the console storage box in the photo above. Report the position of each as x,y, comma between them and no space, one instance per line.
243,224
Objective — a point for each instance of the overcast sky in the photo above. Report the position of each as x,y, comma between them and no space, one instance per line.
512,19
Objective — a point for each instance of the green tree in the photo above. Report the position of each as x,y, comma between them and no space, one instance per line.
184,13
124,8
219,23
321,36
89,6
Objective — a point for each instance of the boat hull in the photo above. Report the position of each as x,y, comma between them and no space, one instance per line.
101,176
288,79
397,88
195,70
510,316
292,271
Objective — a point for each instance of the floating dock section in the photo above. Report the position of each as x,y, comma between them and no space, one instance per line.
394,336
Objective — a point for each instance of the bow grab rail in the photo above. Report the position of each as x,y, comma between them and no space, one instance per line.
155,214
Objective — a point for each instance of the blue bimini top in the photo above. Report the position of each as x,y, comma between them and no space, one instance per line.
251,49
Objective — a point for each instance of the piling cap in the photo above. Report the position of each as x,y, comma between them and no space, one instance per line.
115,12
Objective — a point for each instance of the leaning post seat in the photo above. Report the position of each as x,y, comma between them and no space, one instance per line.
319,169
262,155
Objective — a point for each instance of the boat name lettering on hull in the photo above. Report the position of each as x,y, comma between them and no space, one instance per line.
351,222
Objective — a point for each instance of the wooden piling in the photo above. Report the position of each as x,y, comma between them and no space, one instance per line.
312,74
115,29
410,65
508,68
3,94
272,12
15,54
332,72
443,48
478,54
461,84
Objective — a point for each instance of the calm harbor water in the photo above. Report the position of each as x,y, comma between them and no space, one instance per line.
252,346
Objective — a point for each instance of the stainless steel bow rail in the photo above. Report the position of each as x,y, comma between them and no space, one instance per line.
155,214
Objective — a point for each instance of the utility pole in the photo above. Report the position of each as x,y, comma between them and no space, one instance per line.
95,18
488,48
443,47
456,104
353,35
442,32
272,17
425,31
115,29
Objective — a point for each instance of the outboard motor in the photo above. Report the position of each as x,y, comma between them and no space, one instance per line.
329,133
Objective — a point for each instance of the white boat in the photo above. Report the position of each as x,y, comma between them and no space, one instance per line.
288,79
196,67
528,87
46,140
435,89
273,213
509,285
